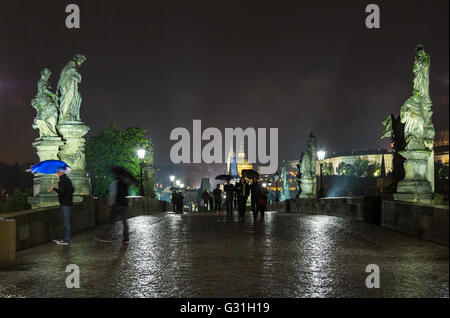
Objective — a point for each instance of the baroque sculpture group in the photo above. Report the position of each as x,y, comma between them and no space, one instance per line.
61,131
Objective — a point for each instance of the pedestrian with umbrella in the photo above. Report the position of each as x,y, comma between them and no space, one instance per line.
118,192
65,191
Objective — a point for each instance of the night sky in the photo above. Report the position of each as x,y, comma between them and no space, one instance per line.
299,66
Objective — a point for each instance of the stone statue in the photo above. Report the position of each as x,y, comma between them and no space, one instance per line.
308,169
285,193
46,105
416,112
413,136
70,97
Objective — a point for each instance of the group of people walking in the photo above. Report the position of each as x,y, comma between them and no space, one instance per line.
237,195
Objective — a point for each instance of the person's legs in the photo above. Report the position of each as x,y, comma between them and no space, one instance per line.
254,208
124,212
66,222
262,209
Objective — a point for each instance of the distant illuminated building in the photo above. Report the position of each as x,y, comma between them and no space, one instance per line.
237,163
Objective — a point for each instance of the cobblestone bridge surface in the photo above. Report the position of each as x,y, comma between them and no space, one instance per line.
207,255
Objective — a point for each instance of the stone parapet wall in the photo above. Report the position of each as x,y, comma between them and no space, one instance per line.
429,222
34,227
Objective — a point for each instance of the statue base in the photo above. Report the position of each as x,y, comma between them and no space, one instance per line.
415,187
308,186
81,183
47,149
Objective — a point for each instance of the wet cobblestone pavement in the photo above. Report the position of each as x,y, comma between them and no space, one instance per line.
204,255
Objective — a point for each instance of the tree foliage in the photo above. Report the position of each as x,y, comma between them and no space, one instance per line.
360,168
114,147
17,202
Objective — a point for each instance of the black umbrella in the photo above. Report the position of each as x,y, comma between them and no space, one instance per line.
224,177
123,174
250,174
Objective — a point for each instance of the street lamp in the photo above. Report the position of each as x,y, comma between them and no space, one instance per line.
178,182
141,156
172,180
277,177
321,157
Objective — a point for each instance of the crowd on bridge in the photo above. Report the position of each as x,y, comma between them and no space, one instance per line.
232,197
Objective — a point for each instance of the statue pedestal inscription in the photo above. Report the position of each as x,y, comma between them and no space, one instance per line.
47,149
415,186
72,152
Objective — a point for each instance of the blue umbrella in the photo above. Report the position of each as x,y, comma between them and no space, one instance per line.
48,166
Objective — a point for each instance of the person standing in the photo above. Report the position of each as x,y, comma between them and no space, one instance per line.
65,192
229,196
205,197
211,202
217,193
118,192
255,191
242,192
262,202
180,203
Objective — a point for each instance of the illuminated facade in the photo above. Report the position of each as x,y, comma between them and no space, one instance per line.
237,162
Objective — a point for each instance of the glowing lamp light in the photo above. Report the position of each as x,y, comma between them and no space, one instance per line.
321,155
141,154
182,186
172,178
264,185
178,182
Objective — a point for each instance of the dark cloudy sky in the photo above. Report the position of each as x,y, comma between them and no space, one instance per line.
295,65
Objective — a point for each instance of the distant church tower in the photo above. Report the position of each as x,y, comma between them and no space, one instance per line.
237,163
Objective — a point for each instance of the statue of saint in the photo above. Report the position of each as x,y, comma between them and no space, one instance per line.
70,97
416,112
46,105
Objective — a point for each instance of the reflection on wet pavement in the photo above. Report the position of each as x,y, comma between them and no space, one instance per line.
207,255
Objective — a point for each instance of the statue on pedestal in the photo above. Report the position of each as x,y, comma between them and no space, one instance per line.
418,136
61,132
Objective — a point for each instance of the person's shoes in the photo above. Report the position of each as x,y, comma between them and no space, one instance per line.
62,242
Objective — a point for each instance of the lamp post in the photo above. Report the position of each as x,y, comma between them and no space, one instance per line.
277,177
141,156
321,157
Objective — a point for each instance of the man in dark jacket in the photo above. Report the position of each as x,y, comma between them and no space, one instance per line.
242,192
205,197
65,192
217,193
229,196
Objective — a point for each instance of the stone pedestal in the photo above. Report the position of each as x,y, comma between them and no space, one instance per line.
72,152
308,186
47,149
415,187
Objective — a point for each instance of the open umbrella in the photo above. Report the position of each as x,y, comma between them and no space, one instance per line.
224,177
48,166
123,174
249,173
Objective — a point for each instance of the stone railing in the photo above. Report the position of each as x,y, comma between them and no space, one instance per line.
34,227
429,222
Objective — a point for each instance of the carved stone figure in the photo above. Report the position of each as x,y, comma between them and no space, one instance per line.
46,105
308,169
416,112
415,141
70,97
285,193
